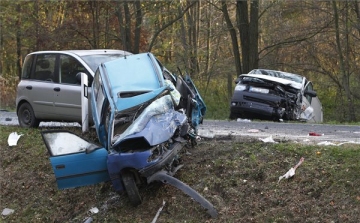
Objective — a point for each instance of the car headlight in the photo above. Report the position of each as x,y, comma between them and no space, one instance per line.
240,87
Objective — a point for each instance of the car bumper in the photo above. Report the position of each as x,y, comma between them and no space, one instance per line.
245,104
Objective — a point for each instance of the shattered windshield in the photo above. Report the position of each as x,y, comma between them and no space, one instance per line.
279,74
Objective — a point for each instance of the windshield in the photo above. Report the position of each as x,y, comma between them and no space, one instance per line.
96,59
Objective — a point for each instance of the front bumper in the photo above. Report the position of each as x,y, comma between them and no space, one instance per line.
252,105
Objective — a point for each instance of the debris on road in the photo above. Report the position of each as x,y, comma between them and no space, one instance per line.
292,170
315,134
243,120
13,138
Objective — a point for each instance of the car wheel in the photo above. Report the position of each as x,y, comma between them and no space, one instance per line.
27,117
131,188
232,116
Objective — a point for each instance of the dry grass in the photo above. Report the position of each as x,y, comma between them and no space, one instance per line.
240,178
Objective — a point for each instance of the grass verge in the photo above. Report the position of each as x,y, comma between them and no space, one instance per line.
239,177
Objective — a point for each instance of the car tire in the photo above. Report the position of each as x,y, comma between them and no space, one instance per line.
27,117
232,116
131,188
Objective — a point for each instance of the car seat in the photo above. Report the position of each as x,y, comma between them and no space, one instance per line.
44,73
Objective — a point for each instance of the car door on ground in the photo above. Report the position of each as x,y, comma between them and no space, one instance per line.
75,161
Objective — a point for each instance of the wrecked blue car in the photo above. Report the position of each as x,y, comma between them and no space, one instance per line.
145,117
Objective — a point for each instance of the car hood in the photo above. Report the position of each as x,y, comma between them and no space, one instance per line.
133,79
275,79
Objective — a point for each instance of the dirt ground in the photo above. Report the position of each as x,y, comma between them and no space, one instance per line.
239,177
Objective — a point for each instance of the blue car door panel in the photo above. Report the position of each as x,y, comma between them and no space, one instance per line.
75,161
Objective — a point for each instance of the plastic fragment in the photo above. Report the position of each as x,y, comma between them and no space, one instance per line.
327,143
292,170
13,138
88,220
94,210
243,120
7,211
268,139
158,212
315,134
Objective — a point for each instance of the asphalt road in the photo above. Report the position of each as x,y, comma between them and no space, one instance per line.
278,131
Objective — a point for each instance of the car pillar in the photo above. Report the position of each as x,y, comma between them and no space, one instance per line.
84,103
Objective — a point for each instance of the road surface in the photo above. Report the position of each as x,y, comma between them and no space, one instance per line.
278,131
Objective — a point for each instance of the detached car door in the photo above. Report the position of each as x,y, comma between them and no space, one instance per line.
75,161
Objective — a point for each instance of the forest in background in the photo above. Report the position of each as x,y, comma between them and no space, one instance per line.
213,41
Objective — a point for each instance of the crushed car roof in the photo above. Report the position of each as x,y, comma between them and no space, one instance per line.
275,79
280,74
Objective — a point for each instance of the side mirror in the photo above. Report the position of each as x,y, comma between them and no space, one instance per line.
237,80
311,93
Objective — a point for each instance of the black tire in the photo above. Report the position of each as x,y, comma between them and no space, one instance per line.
131,188
232,116
27,117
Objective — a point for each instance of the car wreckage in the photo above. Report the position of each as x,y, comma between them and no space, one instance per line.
275,95
145,118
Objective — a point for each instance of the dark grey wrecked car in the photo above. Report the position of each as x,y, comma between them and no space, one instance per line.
275,95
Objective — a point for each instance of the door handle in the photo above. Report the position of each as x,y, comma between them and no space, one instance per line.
57,89
29,87
62,166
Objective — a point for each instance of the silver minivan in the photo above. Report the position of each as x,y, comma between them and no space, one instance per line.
49,87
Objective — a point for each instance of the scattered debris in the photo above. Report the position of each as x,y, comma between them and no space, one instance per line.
327,143
7,211
8,119
292,170
268,139
315,134
88,220
94,210
254,130
243,120
158,213
13,138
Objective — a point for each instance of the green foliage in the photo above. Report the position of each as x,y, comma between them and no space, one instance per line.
215,98
299,39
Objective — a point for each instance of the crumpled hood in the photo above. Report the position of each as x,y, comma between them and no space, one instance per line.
156,124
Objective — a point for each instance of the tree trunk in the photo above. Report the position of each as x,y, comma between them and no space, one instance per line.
235,49
343,71
138,23
18,40
254,35
243,26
